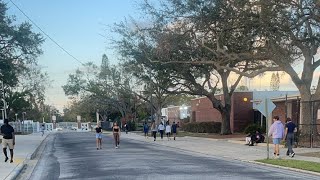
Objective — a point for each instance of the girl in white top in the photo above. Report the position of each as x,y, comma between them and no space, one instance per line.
161,129
168,130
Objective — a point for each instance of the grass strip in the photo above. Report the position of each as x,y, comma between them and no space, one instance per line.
297,164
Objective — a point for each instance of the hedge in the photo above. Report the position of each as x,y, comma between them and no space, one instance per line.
252,128
202,127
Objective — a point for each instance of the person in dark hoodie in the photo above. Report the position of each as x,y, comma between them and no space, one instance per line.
289,135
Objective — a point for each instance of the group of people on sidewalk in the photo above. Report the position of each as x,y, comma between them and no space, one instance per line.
279,133
116,135
161,128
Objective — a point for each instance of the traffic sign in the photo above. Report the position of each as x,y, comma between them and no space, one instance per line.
262,106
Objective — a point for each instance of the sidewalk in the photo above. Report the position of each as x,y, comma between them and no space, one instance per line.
225,148
26,147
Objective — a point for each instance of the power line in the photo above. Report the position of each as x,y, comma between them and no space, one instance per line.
55,42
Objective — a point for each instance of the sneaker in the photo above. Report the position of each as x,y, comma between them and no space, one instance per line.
274,156
116,147
11,161
97,148
292,155
6,159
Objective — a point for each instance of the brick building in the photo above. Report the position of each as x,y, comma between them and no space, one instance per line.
243,110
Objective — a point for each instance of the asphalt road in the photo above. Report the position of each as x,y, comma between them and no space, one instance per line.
74,156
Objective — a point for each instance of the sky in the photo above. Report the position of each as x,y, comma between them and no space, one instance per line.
77,25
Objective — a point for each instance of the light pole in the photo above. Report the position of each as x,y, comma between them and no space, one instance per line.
16,117
4,101
23,113
2,114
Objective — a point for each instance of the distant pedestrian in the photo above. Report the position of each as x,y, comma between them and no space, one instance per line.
126,128
99,137
8,139
174,130
154,130
277,133
290,129
161,129
42,128
116,134
145,129
168,130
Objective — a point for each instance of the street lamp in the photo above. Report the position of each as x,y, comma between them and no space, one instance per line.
2,114
23,113
16,117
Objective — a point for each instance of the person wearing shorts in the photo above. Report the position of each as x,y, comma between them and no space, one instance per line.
99,137
116,134
277,133
8,139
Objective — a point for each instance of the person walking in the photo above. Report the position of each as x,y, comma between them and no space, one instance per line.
277,133
116,134
174,130
99,137
168,130
8,139
42,129
126,128
290,129
146,130
154,130
161,129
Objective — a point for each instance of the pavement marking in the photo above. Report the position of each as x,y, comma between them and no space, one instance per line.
18,160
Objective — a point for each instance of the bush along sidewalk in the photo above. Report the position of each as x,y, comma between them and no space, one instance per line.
297,164
202,127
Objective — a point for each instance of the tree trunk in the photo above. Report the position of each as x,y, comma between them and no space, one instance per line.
225,124
306,113
225,111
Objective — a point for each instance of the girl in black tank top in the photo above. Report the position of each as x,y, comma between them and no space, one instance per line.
116,134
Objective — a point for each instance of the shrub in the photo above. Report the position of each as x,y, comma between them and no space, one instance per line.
131,125
202,127
252,128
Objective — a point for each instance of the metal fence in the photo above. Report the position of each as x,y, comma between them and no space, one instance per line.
25,128
308,124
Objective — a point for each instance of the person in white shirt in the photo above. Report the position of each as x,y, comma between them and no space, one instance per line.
168,130
161,129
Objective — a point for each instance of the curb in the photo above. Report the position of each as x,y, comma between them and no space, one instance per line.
17,170
32,156
283,167
246,161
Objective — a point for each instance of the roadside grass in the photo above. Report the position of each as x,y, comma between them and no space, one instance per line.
297,164
311,154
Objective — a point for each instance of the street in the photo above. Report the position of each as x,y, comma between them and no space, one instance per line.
73,155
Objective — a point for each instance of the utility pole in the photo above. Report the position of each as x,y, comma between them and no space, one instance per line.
4,100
